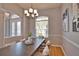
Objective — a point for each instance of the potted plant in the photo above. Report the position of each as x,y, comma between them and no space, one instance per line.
29,41
29,35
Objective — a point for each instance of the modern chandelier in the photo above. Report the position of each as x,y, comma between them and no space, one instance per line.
31,12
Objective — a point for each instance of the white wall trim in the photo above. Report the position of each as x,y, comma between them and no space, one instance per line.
63,51
72,42
55,35
61,48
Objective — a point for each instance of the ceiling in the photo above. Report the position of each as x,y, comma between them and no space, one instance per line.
39,5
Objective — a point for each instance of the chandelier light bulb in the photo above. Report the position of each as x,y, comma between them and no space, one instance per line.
32,15
7,14
30,10
28,14
36,14
35,11
25,11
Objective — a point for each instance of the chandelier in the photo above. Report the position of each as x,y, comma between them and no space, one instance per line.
31,12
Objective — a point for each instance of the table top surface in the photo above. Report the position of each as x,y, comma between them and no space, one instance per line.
21,49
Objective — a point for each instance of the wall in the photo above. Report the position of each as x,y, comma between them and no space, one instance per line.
71,44
12,8
25,27
54,24
1,30
70,39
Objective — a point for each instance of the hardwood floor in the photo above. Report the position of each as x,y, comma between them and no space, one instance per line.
55,51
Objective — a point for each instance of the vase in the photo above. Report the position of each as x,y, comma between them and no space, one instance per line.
29,41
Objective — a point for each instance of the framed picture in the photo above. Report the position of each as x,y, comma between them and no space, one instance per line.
75,24
66,20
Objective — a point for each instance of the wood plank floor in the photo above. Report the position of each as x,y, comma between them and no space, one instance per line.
56,51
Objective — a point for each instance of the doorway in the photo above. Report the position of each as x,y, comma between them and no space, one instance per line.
42,26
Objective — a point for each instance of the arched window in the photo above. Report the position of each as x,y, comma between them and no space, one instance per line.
12,25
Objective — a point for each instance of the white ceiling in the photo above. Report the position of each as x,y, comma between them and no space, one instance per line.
39,5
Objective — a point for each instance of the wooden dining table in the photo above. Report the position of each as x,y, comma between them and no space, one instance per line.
21,49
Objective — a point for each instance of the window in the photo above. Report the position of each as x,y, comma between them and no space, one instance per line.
42,26
13,29
12,25
18,28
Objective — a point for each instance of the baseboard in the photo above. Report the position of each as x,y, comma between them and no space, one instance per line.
61,48
63,51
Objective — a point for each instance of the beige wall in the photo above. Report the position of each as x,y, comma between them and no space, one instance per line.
1,30
70,39
55,26
71,43
12,8
54,23
25,27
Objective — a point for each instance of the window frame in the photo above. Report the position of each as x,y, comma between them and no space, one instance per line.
15,20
